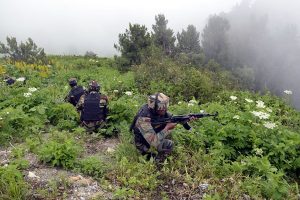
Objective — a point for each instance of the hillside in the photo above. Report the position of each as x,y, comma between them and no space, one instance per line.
250,151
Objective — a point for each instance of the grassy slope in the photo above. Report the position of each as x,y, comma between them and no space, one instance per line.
231,157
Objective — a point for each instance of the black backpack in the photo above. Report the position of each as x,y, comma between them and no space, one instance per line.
75,94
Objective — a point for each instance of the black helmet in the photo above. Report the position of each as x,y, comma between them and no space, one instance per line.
72,82
94,86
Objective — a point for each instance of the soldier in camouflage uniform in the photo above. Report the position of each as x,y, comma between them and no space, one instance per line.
93,108
147,134
75,93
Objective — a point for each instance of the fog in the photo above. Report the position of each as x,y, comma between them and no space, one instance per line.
77,26
263,34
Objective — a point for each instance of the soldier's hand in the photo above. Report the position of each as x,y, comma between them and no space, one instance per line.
192,118
170,126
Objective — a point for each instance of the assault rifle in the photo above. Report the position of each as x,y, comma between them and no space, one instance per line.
182,119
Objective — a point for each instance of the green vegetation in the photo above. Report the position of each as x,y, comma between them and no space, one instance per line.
252,148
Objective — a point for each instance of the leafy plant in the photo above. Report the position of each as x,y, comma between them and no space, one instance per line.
60,150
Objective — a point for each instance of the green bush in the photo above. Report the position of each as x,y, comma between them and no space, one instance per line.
12,185
60,150
92,166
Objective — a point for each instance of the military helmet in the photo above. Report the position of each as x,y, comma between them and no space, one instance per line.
94,86
72,82
158,101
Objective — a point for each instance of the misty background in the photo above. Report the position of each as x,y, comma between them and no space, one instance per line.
260,35
77,26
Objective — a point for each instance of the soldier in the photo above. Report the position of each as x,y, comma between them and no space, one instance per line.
9,80
146,134
93,107
75,93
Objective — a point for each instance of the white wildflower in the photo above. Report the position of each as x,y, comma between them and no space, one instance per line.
269,125
288,92
202,111
236,117
28,94
243,162
1,118
249,100
260,104
258,151
120,81
179,102
269,110
128,93
190,104
233,98
116,91
261,115
33,89
21,79
193,101
7,113
66,87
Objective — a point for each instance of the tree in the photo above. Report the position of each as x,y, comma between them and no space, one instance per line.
163,36
90,54
188,41
133,44
27,52
215,41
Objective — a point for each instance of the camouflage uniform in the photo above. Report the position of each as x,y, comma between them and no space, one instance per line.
147,134
92,124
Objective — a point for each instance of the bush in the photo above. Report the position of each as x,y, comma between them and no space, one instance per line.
92,166
60,150
12,185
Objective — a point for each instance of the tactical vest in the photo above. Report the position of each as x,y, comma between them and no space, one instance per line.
75,94
146,112
91,108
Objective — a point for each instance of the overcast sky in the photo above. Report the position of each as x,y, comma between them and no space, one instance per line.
76,26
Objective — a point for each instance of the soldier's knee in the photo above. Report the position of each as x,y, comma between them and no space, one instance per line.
165,146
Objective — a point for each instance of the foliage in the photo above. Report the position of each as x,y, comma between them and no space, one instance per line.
214,40
93,166
133,44
90,54
163,36
188,40
12,185
60,150
250,150
179,82
63,115
27,52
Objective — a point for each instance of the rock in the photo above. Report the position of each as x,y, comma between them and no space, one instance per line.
97,195
32,175
185,185
246,197
110,150
173,182
203,186
84,181
4,162
74,178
